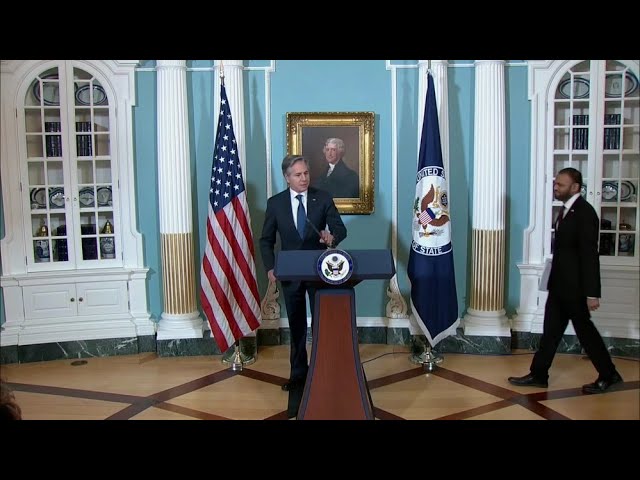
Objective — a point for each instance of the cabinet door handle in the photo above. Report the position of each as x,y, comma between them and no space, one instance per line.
80,299
73,299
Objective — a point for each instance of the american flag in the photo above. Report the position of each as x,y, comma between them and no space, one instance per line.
229,291
426,217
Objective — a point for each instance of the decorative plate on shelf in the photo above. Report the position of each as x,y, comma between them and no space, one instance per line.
104,196
613,85
83,95
56,197
86,197
50,90
627,190
38,198
580,88
610,191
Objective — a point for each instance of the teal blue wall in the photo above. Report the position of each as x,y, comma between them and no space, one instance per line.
146,172
337,85
518,113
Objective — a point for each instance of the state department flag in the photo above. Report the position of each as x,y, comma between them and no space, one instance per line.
433,285
228,287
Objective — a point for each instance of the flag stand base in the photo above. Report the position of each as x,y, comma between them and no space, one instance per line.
237,359
429,359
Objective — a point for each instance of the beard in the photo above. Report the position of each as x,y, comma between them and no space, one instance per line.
563,196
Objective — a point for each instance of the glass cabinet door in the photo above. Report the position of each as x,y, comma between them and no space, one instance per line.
619,162
68,171
47,178
93,172
596,128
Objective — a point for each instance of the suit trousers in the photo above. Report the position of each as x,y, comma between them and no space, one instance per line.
294,297
557,313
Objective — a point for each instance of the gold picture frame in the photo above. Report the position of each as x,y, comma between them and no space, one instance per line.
307,133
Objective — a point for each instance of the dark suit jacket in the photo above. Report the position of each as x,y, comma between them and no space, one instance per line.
321,211
343,182
575,267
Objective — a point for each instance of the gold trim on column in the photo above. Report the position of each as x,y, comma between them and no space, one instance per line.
487,290
178,274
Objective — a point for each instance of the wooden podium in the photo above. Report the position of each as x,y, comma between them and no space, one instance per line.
336,387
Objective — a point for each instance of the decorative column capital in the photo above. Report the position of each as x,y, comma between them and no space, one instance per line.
228,64
167,64
490,62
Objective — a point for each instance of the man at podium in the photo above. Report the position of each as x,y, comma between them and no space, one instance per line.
299,215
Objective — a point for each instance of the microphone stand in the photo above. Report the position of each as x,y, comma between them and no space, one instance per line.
316,230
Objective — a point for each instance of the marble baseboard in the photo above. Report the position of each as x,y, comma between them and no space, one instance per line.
249,346
187,347
618,347
202,346
268,336
399,336
106,347
461,343
9,354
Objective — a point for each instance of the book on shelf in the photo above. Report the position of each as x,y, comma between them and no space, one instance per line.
580,135
53,143
83,142
612,135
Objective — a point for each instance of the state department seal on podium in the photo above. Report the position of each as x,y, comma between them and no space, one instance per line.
335,266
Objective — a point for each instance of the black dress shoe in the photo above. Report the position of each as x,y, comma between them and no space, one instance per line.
528,381
291,384
601,385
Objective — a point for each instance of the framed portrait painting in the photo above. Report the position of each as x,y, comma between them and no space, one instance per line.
339,149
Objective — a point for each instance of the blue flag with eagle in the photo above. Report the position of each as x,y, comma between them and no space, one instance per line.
433,285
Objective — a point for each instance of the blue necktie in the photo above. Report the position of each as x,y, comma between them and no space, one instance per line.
302,216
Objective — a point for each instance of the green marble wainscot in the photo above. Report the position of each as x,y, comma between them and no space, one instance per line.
188,347
618,347
461,343
9,354
398,336
268,336
201,346
146,343
375,335
105,347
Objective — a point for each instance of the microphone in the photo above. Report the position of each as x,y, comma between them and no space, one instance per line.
315,229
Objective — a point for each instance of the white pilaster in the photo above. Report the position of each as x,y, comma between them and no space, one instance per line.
486,314
180,318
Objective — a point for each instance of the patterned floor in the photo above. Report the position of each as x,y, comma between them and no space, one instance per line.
474,387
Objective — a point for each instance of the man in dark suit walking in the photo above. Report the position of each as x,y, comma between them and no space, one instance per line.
337,179
574,288
289,214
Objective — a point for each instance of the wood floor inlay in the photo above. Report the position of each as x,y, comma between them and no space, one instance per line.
463,387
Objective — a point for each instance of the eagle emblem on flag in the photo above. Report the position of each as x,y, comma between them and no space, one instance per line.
431,210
